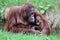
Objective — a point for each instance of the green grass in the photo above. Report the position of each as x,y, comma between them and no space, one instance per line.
20,36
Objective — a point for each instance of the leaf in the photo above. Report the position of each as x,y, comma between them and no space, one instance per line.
41,6
42,11
46,8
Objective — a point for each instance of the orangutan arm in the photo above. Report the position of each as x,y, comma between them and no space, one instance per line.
24,30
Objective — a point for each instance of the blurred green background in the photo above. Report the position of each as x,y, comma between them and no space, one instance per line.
41,5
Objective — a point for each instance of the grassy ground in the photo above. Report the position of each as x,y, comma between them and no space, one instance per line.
10,36
45,4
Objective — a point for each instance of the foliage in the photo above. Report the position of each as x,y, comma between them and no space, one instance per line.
42,5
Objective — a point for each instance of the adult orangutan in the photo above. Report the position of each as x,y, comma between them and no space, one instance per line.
27,19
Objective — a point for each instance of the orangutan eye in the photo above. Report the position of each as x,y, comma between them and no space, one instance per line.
32,12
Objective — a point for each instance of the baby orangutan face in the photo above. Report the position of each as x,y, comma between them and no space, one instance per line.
38,20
